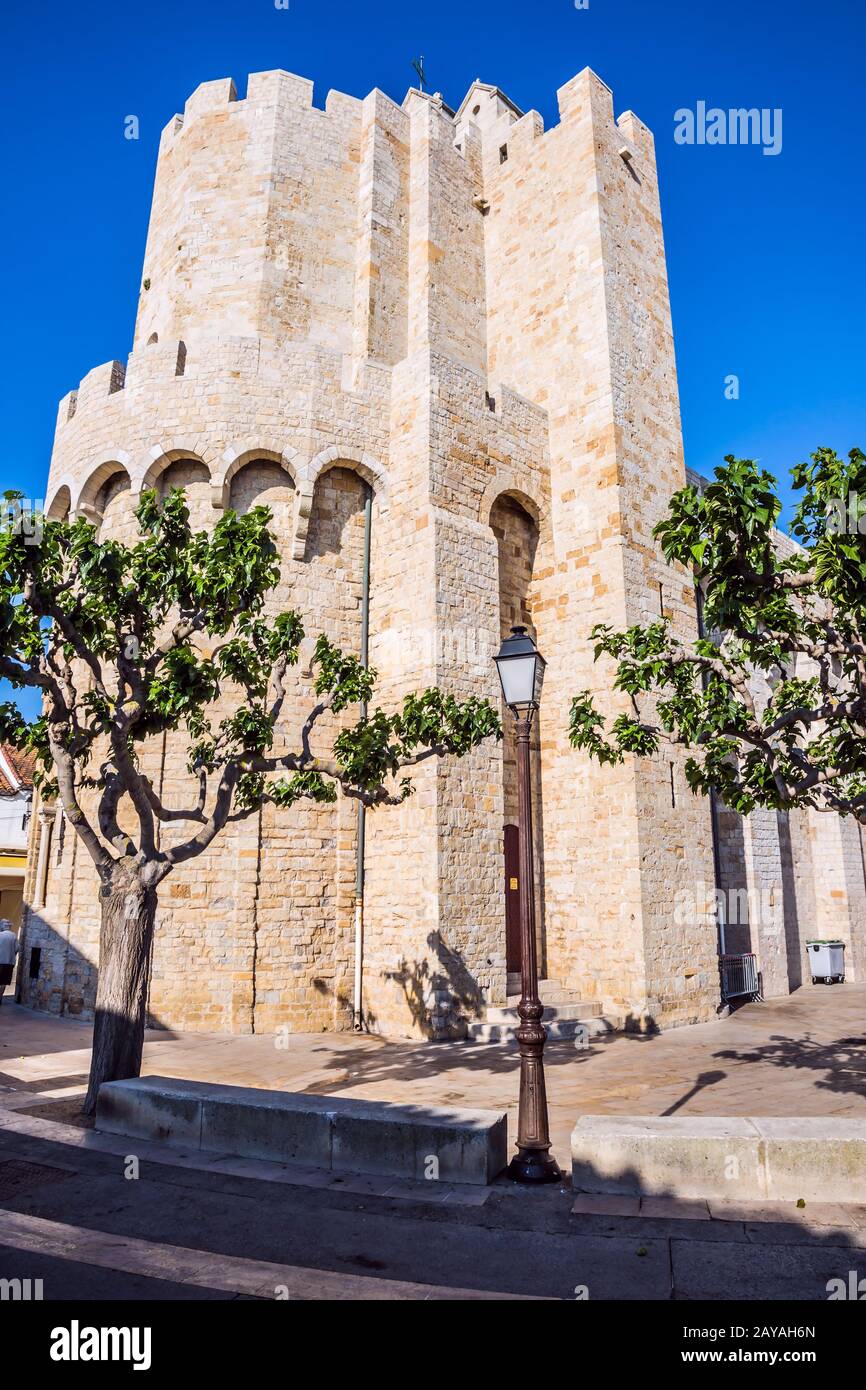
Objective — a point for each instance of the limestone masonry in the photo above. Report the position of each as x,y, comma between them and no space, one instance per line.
469,316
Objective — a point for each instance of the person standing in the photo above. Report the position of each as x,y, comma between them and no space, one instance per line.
8,952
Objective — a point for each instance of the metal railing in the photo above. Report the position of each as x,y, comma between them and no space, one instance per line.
740,976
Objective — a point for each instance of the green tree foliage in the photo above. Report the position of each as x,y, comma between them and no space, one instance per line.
128,642
790,622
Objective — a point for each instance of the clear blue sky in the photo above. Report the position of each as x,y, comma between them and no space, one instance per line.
765,254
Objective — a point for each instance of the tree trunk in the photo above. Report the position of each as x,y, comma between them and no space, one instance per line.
128,909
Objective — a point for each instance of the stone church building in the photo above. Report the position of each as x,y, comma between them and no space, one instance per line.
465,317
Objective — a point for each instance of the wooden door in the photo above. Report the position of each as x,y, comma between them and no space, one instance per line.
512,898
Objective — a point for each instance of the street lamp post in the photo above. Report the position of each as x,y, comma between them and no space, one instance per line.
521,673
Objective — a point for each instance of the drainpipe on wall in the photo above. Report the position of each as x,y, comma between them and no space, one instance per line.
357,1001
717,863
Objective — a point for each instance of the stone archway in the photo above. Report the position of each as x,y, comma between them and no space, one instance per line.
59,506
517,540
192,475
302,952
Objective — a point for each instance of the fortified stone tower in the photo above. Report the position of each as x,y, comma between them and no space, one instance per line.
469,316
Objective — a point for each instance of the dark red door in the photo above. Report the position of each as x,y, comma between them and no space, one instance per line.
512,898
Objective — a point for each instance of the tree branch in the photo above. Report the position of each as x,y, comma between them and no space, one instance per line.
165,814
65,769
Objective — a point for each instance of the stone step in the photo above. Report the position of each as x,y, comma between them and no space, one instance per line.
557,1029
573,1008
549,992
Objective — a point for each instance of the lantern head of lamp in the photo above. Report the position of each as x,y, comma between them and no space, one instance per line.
521,672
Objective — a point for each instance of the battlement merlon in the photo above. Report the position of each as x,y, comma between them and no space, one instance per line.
485,106
265,89
273,219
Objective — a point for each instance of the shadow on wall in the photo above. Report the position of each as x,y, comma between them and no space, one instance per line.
734,881
790,906
53,974
57,978
800,911
443,998
639,1025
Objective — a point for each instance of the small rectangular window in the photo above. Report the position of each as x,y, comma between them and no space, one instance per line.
503,153
35,961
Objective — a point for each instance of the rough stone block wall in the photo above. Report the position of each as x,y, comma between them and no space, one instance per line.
788,878
468,315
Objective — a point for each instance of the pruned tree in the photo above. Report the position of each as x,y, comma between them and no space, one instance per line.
128,642
771,701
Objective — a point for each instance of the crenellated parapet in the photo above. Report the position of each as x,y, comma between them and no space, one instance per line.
362,226
224,403
233,402
253,224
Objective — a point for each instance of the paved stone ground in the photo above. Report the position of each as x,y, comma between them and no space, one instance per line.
802,1055
201,1226
215,1227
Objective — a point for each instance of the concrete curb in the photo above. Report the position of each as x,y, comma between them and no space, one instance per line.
328,1132
738,1159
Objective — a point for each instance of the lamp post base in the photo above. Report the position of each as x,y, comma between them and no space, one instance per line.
534,1166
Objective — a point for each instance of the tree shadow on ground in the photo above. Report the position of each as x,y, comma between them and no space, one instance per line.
42,1083
842,1060
411,1060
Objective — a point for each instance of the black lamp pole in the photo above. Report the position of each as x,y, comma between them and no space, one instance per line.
533,1162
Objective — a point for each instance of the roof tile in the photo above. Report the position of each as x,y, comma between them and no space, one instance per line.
22,764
